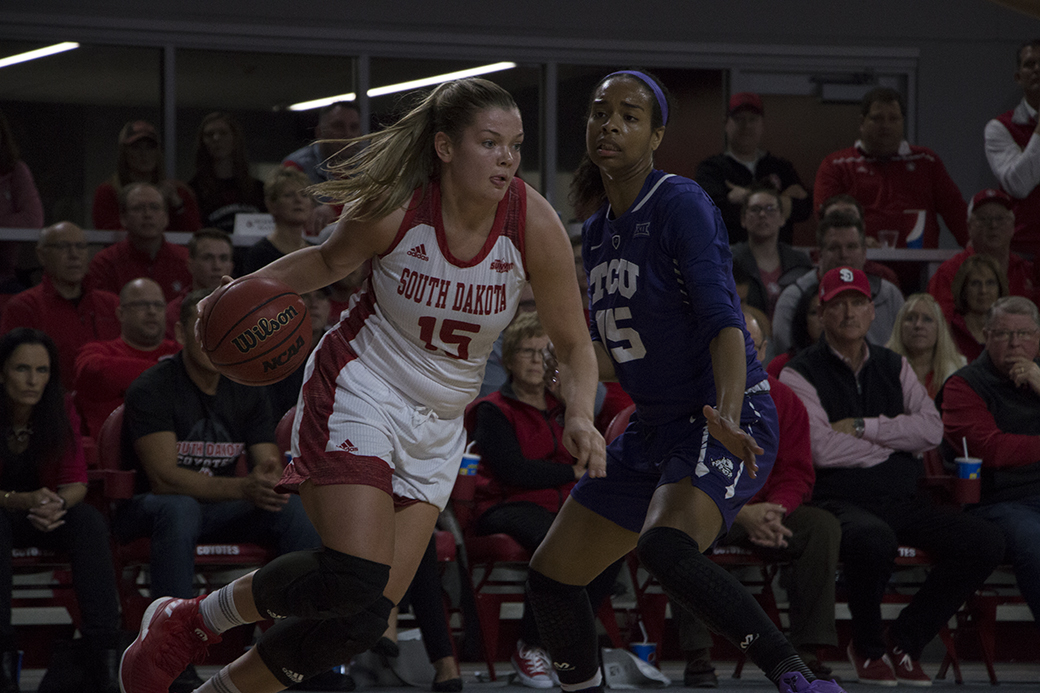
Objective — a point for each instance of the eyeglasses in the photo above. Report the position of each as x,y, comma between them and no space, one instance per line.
145,305
763,209
535,354
66,247
1005,335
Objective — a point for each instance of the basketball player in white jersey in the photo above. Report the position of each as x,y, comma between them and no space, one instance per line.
452,234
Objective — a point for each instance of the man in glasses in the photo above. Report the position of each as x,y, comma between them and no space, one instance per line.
60,304
991,225
992,405
105,369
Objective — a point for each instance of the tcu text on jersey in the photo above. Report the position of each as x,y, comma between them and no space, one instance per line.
607,278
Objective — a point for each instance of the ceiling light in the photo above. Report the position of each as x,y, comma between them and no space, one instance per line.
38,53
405,86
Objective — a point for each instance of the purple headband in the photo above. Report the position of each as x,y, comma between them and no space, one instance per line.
658,94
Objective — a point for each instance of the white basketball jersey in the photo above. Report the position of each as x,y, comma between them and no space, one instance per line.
426,321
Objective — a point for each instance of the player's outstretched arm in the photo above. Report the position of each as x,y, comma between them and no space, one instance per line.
556,293
729,364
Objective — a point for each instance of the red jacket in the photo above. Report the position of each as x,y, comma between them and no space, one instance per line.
69,324
112,267
904,193
964,339
104,371
540,436
940,286
790,483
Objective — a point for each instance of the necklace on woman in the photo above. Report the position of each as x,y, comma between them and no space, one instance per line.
20,434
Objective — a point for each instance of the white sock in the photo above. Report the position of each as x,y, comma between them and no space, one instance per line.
218,610
220,683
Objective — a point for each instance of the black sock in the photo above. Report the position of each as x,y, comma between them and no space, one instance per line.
697,584
567,627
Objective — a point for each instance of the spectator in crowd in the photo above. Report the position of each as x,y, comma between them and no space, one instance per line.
105,369
337,121
770,264
921,336
144,252
140,160
902,187
185,427
342,291
979,282
42,487
778,526
287,199
842,242
222,183
991,225
525,471
285,392
869,419
994,405
844,202
1013,151
805,331
210,257
62,305
20,206
729,177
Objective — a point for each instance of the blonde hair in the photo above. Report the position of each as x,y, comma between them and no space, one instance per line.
282,177
970,265
400,158
524,326
946,359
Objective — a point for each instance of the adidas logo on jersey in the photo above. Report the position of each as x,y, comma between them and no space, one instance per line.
347,446
501,265
419,251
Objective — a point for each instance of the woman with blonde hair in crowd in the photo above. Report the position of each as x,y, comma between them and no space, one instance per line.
978,284
921,335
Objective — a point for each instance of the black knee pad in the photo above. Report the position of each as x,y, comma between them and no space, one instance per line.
295,649
318,584
567,626
657,547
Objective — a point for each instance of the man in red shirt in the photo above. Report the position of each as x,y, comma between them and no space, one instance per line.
991,224
777,525
992,406
104,370
902,187
145,252
60,304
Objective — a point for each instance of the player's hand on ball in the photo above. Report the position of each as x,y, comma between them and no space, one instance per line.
586,444
736,440
203,306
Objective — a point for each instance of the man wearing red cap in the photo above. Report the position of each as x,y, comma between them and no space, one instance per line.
902,187
991,225
1013,151
869,418
729,177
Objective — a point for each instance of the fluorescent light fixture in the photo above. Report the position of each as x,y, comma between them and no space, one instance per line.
406,86
38,53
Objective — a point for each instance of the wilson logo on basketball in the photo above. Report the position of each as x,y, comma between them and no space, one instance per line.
263,329
501,265
280,360
419,251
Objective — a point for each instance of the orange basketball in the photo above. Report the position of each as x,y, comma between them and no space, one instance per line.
256,331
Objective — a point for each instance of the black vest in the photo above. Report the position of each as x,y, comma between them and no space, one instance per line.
875,391
1015,410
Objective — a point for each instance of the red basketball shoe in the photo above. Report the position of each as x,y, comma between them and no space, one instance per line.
172,637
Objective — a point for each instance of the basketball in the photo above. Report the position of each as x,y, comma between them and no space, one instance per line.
256,331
